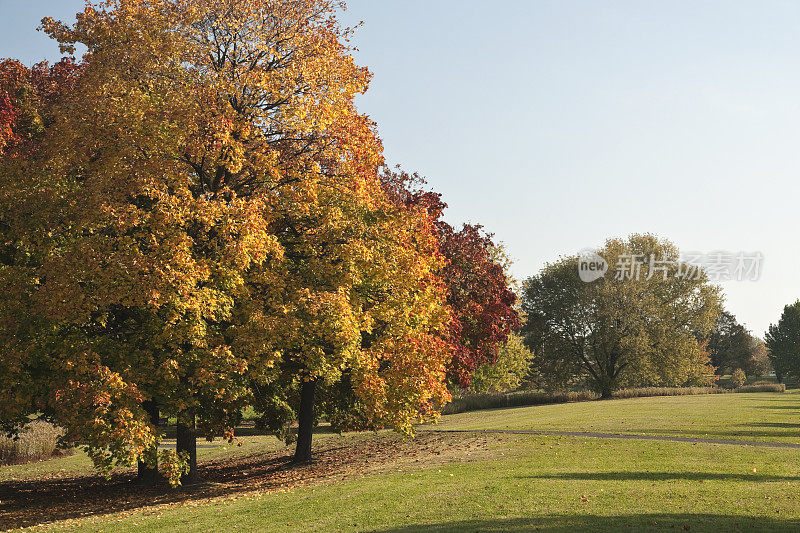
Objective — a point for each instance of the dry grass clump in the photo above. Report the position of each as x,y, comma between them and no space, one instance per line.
763,386
646,392
476,402
37,441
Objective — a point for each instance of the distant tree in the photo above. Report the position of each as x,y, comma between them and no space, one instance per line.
758,365
621,331
738,378
508,372
783,343
730,344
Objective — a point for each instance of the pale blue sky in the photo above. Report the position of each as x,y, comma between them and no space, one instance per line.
557,124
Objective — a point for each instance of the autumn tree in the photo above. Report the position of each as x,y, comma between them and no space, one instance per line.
29,103
508,372
375,349
216,228
479,291
630,329
783,343
465,266
97,348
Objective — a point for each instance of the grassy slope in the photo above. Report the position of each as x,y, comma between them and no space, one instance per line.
555,483
757,417
80,464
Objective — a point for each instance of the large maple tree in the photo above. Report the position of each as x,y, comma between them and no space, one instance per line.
215,227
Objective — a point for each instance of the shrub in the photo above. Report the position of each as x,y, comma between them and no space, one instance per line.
38,440
763,387
476,402
507,373
644,392
738,378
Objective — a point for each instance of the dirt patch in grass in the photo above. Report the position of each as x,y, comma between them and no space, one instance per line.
34,502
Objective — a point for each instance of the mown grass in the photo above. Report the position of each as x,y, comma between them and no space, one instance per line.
754,416
552,483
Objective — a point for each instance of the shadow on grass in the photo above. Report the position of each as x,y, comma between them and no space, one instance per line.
638,522
32,502
25,503
663,476
787,425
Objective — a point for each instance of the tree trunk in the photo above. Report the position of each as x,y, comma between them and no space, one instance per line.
148,475
186,441
605,386
305,421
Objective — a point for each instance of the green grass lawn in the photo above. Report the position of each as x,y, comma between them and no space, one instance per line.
753,417
553,483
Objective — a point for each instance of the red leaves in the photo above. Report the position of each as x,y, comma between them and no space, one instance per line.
26,96
8,119
478,294
11,73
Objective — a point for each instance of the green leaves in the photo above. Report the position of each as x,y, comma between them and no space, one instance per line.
619,331
783,342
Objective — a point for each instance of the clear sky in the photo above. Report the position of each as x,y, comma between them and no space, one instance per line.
559,123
